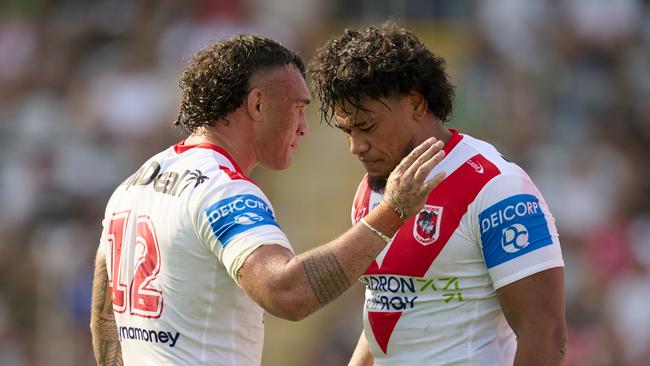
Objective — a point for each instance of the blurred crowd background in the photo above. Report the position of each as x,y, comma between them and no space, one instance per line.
89,89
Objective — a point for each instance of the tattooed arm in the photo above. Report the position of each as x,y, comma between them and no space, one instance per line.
294,287
106,344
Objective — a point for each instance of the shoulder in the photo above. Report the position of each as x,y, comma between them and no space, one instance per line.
477,170
493,169
490,153
226,186
508,177
210,168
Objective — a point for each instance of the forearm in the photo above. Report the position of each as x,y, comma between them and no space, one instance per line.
361,355
328,271
106,345
294,287
536,350
332,268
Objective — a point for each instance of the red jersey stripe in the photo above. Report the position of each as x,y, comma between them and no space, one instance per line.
408,257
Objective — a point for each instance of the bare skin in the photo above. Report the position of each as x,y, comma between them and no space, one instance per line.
293,287
106,344
267,128
362,355
288,286
533,306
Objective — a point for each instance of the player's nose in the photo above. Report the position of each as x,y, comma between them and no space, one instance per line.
358,144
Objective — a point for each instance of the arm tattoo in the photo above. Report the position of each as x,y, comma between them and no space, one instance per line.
326,277
106,344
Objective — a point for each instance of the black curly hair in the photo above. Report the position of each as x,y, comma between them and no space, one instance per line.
381,61
216,80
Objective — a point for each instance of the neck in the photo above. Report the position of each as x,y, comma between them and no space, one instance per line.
435,129
442,133
231,138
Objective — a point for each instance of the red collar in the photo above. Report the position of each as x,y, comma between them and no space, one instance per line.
181,148
453,141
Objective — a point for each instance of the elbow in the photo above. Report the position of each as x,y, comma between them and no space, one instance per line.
561,334
557,330
295,314
556,341
93,325
292,315
290,306
548,337
291,312
550,327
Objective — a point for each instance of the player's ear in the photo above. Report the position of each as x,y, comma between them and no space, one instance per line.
418,104
253,104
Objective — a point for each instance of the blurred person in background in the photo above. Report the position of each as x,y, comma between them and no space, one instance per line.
191,253
477,275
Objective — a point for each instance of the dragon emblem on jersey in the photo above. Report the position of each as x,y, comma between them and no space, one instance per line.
427,224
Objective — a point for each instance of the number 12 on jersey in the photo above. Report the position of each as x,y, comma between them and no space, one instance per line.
134,293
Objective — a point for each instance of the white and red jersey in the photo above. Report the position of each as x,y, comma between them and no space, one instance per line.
175,234
430,294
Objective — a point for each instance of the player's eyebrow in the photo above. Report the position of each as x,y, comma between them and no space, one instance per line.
355,123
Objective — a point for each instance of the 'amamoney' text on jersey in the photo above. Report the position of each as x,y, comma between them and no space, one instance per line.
175,234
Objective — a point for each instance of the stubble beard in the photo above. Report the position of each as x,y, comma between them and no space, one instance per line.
377,183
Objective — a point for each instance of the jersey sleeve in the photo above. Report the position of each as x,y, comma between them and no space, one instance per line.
516,230
102,240
109,215
235,218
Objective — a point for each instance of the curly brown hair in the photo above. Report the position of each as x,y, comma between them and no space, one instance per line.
216,80
381,61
